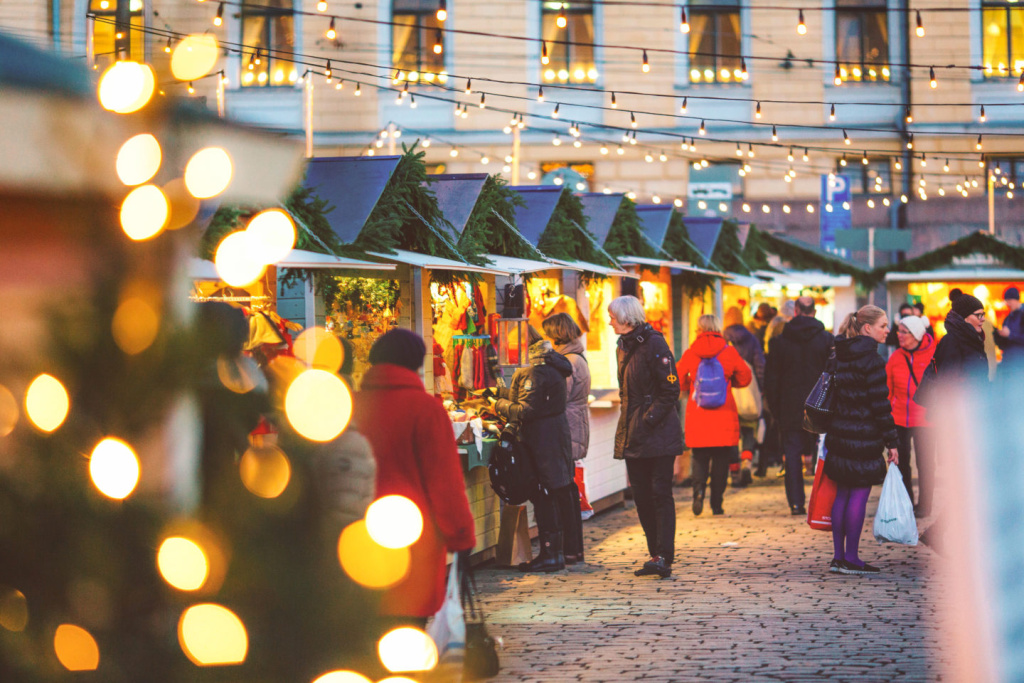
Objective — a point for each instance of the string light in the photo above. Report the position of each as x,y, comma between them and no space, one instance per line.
757,111
426,142
359,89
684,25
806,156
885,201
412,101
739,152
540,93
544,59
620,151
604,149
331,32
775,134
562,21
646,67
924,161
453,153
632,139
981,161
982,117
167,48
682,109
790,155
703,130
554,114
258,61
321,6
744,74
899,165
910,116
469,86
218,19
920,26
945,166
842,161
910,141
191,90
832,113
615,104
438,42
750,151
801,27
442,10
864,159
846,138
1020,83
328,71
931,77
483,101
838,78
632,119
977,146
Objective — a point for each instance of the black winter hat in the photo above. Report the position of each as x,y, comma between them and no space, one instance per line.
966,304
399,347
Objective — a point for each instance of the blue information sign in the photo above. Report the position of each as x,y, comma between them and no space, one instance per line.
835,208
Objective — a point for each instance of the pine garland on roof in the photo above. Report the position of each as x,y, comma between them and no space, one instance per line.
974,243
677,244
727,250
626,236
800,256
487,233
754,254
562,240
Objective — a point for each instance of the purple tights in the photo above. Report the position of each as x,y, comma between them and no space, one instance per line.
847,522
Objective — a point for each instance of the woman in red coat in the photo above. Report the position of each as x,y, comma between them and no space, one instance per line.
414,446
904,371
713,434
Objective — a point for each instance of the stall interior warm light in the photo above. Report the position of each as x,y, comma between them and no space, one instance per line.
183,563
138,160
212,635
114,468
407,649
76,649
208,172
47,403
318,405
394,521
367,562
265,471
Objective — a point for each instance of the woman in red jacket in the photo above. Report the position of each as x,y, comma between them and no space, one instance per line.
414,446
712,433
904,370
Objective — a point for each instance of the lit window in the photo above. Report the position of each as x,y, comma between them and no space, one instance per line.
103,30
267,26
572,62
1009,173
1002,39
715,42
413,37
862,40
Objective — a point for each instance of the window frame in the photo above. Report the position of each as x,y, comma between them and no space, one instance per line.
139,37
1014,171
425,22
1011,71
858,171
861,10
251,12
716,14
578,7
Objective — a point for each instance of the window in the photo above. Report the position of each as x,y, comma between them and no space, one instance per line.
572,63
268,26
1002,31
415,36
715,43
103,30
862,40
874,177
576,175
1009,173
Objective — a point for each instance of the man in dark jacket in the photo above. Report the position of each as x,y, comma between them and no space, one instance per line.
1010,338
649,435
752,351
796,360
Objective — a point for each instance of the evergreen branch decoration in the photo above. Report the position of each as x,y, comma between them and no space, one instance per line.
974,243
754,254
800,256
561,239
489,228
727,250
626,238
677,243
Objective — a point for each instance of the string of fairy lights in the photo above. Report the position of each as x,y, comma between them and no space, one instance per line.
323,66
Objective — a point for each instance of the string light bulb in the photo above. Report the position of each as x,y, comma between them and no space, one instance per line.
744,74
842,161
945,166
562,21
218,19
442,10
359,89
703,130
898,165
412,101
924,161
191,90
615,105
806,157
757,111
1020,83
920,25
646,65
684,25
910,141
864,159
632,119
321,6
931,77
977,145
438,42
554,114
469,86
167,48
540,93
483,101
683,107
838,78
982,117
328,71
257,57
775,134
739,152
846,138
801,27
832,113
331,32
750,151
910,116
544,59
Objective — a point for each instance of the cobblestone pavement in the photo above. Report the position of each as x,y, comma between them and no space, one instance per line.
750,600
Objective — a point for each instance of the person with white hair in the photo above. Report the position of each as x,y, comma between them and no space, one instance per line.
649,435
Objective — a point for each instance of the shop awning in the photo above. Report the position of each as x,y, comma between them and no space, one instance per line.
456,195
353,185
606,271
412,258
600,210
520,266
201,269
745,280
806,278
959,275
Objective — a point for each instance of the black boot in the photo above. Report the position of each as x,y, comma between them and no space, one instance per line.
698,498
550,558
656,566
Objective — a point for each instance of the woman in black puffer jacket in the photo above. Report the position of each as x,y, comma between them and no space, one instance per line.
862,428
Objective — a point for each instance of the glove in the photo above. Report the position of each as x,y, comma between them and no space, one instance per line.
501,407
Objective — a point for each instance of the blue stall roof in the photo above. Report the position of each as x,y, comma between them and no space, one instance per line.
704,233
456,195
654,221
600,210
353,185
533,218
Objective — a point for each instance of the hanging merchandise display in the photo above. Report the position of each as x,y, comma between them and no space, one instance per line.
363,309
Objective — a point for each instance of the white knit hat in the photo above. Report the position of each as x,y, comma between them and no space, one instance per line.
916,325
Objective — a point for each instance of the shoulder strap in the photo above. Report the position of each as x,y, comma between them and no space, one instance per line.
573,353
625,361
910,366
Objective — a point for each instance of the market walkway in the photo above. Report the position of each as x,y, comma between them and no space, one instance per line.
750,600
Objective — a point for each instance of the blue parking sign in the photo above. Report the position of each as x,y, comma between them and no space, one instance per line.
836,199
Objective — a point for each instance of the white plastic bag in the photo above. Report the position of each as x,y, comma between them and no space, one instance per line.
894,519
448,629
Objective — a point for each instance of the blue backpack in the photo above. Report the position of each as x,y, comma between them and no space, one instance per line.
710,388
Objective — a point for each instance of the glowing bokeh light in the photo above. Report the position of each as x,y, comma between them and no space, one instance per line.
272,235
342,677
13,610
184,207
144,212
138,160
194,57
76,648
114,468
126,86
8,411
234,261
208,172
394,521
265,471
240,375
318,405
981,292
407,649
183,563
135,325
319,348
212,635
47,402
367,562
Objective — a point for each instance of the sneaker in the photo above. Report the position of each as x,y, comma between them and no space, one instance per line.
835,566
656,566
586,514
860,570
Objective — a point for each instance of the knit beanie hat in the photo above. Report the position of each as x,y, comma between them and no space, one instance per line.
1011,293
967,304
917,326
399,347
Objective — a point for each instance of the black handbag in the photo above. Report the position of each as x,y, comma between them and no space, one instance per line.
818,408
481,659
925,394
510,469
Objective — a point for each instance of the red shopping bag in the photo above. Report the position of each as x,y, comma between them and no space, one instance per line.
823,495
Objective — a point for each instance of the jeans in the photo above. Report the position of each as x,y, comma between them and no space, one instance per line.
924,450
717,459
651,481
795,444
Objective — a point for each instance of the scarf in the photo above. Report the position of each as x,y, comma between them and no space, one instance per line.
965,333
